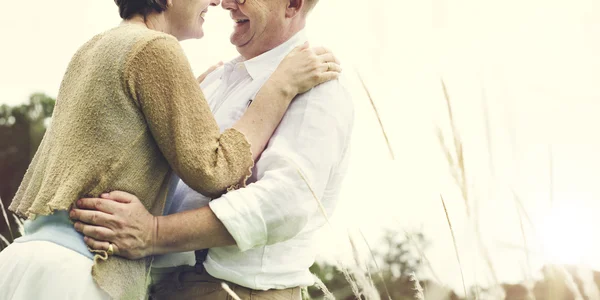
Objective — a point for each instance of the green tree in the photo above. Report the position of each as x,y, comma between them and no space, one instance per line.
21,130
397,258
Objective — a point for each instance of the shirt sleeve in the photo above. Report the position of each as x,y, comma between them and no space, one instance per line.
159,78
299,160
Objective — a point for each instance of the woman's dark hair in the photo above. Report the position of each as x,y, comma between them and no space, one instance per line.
129,8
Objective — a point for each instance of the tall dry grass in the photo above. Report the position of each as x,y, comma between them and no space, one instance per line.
4,213
321,286
229,291
559,276
418,288
362,284
362,274
373,291
423,256
455,158
462,274
4,240
18,221
356,286
385,136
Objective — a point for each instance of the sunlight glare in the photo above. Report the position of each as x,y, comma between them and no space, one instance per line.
567,234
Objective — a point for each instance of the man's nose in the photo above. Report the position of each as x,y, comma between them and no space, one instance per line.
229,4
215,2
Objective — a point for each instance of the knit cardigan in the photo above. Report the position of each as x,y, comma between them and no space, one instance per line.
128,112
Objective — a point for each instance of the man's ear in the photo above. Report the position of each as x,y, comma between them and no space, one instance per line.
294,8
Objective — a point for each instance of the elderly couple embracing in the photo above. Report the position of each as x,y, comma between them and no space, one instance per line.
152,183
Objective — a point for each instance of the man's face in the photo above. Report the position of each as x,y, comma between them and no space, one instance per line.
259,25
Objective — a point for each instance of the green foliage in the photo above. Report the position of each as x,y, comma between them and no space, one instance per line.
400,257
21,130
397,258
331,276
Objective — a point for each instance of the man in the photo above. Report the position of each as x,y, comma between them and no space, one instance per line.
261,237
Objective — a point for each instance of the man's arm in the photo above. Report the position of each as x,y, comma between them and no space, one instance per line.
308,143
120,219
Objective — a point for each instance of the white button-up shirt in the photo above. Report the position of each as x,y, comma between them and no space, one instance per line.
274,219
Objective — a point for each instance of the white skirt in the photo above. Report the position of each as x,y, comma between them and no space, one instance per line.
45,270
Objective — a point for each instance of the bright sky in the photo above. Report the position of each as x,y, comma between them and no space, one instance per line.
536,64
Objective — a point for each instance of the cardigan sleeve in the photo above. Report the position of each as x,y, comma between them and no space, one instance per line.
159,78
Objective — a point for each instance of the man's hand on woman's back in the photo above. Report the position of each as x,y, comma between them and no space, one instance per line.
117,218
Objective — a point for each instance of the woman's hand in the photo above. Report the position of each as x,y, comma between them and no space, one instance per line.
117,218
304,68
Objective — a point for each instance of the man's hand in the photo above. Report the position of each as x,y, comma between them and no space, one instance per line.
118,218
210,70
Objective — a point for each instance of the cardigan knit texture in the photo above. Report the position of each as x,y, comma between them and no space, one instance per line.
129,112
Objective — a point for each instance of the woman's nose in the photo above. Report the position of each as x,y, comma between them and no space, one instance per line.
215,2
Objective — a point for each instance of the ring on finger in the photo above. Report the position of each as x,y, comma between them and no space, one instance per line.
110,250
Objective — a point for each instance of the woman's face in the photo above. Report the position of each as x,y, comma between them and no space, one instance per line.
186,17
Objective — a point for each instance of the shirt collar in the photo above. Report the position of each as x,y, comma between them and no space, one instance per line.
266,63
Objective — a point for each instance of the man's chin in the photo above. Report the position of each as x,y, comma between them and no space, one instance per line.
238,43
240,39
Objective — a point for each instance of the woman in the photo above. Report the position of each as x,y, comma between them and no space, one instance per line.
129,111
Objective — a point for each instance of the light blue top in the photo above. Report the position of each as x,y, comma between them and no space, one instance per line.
58,228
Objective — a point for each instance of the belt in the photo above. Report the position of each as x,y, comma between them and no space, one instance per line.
159,274
200,258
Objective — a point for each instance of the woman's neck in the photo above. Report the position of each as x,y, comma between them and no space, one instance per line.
152,21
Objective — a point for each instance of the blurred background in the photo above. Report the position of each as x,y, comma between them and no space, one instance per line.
475,163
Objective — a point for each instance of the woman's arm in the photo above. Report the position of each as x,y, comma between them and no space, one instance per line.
158,76
302,69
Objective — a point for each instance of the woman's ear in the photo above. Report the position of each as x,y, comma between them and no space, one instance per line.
294,7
